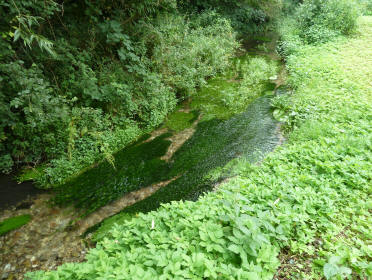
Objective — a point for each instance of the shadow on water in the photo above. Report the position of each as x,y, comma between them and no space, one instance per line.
12,193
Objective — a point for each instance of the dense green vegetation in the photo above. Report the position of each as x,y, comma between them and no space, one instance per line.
13,223
366,6
80,80
227,95
179,121
317,21
218,138
304,212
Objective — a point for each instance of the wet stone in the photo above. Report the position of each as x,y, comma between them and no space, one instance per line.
39,245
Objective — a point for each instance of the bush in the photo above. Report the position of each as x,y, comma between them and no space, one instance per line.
34,117
186,52
315,22
290,39
100,83
246,17
321,20
366,6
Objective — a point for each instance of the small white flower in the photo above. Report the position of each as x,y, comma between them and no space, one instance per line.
152,224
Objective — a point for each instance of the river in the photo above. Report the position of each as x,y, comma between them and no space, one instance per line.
189,155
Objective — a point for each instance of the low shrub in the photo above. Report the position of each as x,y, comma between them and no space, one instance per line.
315,22
321,20
186,52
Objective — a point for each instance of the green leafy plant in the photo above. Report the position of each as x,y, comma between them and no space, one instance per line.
76,88
333,269
319,20
316,22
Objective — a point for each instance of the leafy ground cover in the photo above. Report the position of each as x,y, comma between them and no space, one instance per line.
13,223
304,213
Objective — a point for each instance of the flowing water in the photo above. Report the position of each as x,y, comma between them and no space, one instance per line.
181,160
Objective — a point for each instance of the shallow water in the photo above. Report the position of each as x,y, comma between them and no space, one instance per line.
221,134
12,193
247,135
182,164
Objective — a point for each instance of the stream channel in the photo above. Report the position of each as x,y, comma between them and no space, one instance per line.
192,153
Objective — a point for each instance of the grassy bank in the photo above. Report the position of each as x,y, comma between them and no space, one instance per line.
304,213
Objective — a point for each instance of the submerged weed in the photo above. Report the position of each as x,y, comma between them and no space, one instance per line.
230,128
178,121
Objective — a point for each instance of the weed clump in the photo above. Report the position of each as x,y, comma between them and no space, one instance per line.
316,22
13,223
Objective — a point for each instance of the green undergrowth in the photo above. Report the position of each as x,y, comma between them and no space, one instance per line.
99,231
229,127
304,213
30,174
74,96
13,223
